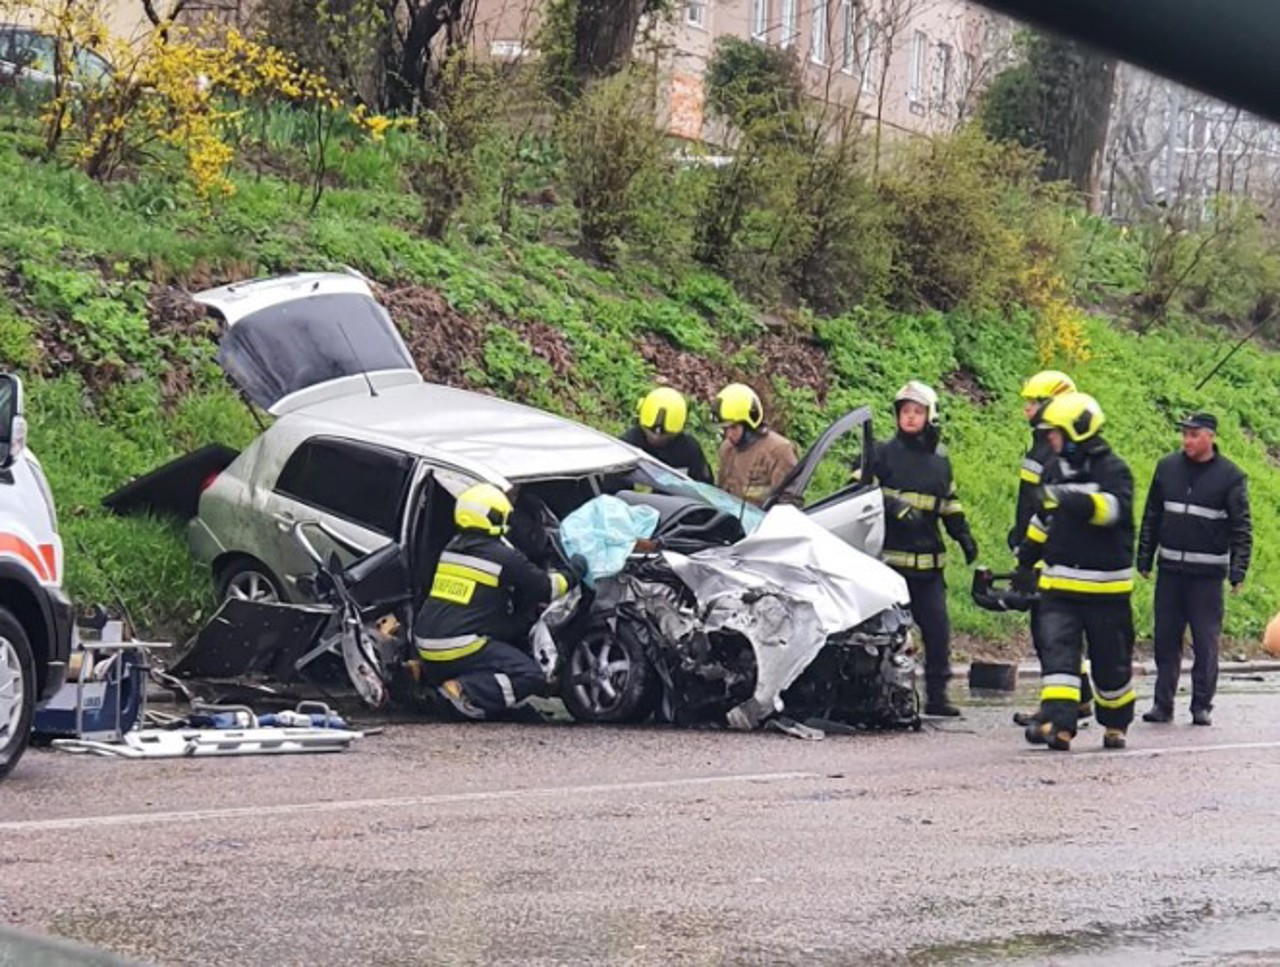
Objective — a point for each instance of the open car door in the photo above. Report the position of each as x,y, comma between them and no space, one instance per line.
831,480
297,340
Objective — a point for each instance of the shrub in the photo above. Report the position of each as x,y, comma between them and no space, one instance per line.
612,150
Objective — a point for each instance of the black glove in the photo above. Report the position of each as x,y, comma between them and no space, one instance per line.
1025,580
578,568
970,548
1077,505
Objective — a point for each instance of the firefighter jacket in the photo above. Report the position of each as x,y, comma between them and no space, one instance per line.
1196,521
1083,532
1030,474
914,474
681,452
755,468
483,588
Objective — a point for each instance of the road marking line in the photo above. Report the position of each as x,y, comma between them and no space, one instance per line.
400,802
1178,750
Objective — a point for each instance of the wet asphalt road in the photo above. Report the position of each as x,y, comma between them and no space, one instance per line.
558,844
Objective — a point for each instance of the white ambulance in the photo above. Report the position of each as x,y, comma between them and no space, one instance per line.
35,615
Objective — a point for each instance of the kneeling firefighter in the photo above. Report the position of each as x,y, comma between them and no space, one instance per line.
1037,393
484,598
1084,535
915,477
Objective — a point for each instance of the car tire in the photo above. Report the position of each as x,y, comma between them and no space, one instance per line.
17,691
249,580
608,678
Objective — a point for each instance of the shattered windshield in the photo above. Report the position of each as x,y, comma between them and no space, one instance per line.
667,481
304,342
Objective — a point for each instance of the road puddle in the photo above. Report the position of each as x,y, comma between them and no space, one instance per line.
1184,941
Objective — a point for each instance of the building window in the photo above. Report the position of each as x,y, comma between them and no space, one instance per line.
818,33
849,54
915,81
789,28
870,55
695,13
945,82
759,18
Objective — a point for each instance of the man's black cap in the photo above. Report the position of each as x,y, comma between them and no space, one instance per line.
1200,421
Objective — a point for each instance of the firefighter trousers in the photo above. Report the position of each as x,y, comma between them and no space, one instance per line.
1106,624
1086,688
928,592
1182,600
496,678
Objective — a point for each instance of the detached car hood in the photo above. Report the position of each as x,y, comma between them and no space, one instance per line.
297,340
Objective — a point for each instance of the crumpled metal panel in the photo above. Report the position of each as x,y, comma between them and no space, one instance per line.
786,588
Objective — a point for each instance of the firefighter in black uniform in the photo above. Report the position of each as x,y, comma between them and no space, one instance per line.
484,598
659,431
1196,523
1038,392
914,474
1084,536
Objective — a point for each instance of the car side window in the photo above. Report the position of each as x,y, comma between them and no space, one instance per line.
362,484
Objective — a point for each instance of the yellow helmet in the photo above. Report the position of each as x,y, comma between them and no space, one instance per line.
738,403
1078,415
482,507
663,411
1047,384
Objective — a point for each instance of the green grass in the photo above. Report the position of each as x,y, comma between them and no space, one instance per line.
84,255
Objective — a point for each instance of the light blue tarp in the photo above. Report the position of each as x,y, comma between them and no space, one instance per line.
604,531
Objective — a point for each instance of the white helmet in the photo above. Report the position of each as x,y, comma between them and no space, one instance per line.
922,393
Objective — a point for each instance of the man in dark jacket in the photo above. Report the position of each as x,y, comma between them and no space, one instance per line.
484,598
659,431
915,477
1197,523
1083,534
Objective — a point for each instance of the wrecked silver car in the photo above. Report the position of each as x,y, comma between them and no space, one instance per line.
344,503
786,620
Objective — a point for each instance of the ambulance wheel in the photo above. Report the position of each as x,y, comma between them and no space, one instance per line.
17,691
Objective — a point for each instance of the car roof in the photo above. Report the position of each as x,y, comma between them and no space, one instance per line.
469,430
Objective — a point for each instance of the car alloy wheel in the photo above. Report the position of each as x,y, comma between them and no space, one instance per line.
599,669
252,585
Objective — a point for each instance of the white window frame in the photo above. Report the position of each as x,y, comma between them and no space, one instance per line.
790,22
870,55
818,32
759,19
946,57
695,13
849,36
919,55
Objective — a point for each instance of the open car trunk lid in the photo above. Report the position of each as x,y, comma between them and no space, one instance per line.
296,340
